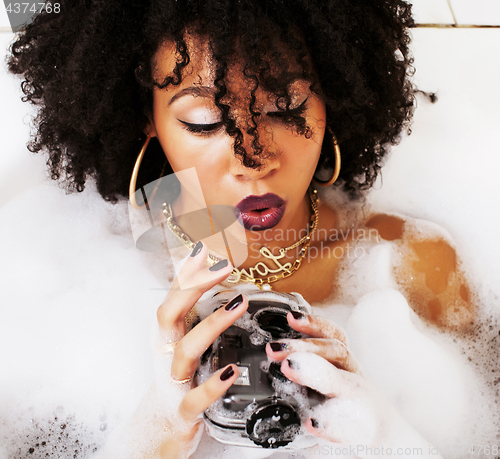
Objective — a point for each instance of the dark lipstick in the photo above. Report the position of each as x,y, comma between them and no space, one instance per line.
259,213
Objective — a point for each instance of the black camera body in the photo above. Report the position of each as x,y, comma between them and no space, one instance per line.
262,408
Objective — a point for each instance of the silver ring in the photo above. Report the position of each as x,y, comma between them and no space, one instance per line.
182,381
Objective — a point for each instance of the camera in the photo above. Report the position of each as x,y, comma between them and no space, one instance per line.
262,408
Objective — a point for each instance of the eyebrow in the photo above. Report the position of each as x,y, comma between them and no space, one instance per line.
197,91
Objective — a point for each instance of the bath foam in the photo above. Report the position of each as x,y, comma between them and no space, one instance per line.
82,330
55,434
409,359
472,356
72,332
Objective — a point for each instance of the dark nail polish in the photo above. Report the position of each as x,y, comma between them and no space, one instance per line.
234,303
292,365
297,315
314,423
196,249
277,347
226,374
221,264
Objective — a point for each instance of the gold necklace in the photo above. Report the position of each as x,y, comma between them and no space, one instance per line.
280,271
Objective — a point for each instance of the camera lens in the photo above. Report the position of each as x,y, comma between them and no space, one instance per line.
275,322
275,423
275,372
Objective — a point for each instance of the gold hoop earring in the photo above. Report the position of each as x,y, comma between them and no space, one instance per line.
336,171
135,174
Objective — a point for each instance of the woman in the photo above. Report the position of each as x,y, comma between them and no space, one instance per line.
258,97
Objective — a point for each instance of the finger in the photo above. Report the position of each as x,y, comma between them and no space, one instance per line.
333,350
200,398
312,425
179,302
315,326
313,371
192,346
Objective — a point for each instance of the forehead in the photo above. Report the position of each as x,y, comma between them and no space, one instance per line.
201,70
199,67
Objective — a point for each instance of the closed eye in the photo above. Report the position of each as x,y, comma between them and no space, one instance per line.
290,112
203,129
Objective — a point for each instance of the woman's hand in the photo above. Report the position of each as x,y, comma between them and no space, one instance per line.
355,418
168,420
327,340
193,280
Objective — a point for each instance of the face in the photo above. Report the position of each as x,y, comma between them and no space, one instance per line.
188,126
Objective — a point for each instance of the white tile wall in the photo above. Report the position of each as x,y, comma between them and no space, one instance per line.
4,19
465,12
432,12
478,12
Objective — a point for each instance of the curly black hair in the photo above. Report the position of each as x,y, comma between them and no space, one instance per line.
89,69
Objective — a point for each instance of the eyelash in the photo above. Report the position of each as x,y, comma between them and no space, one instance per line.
299,110
202,129
208,129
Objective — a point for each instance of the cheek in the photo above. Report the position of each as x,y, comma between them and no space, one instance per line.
184,151
298,152
206,157
301,150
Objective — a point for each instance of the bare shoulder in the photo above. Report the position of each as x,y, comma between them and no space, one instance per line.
428,270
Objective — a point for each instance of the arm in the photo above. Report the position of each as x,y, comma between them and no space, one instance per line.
428,271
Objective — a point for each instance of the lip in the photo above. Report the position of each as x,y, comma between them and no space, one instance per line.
261,212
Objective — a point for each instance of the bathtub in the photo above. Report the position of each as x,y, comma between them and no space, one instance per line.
446,172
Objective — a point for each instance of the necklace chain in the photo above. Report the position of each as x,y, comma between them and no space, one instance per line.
281,271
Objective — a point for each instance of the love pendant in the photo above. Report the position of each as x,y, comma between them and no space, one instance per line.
266,273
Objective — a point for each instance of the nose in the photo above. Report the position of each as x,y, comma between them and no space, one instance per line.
268,161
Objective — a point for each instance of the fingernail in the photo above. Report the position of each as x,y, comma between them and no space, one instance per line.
227,373
292,365
314,423
297,315
234,303
221,264
278,347
197,249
